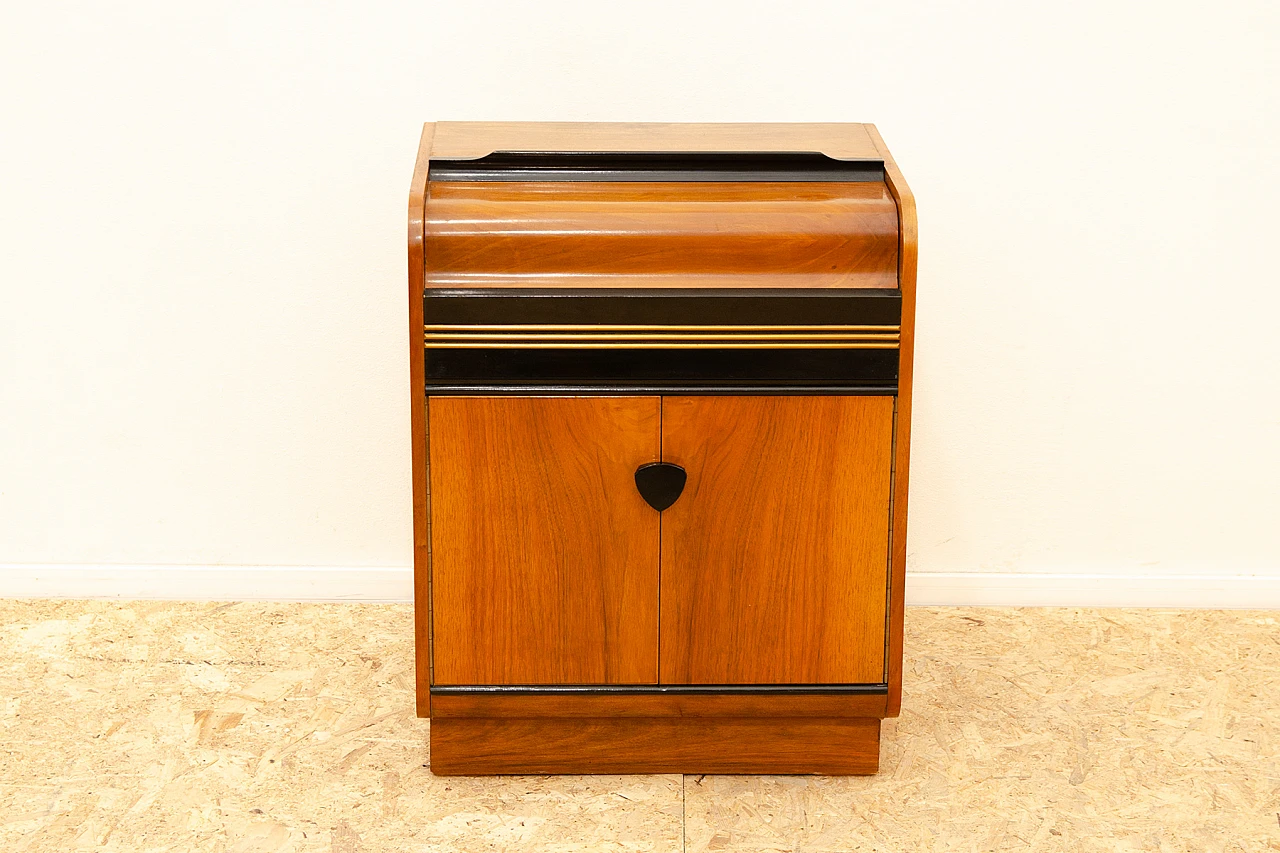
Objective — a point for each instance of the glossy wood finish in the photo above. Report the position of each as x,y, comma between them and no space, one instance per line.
775,558
756,606
907,255
548,234
418,430
780,745
631,281
467,140
660,705
544,556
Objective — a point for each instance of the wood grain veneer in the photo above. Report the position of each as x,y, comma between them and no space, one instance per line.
659,705
481,746
608,281
907,258
537,562
774,560
544,564
418,429
870,195
469,140
505,234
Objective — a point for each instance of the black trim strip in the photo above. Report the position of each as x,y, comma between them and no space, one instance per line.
664,306
729,166
616,388
661,368
656,689
652,366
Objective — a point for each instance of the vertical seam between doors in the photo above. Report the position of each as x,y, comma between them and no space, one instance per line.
658,675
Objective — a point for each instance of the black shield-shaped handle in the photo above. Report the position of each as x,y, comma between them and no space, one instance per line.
660,483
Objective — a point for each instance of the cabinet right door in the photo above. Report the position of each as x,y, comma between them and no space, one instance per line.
775,558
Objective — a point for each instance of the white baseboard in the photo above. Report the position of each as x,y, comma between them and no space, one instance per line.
1029,589
208,583
344,583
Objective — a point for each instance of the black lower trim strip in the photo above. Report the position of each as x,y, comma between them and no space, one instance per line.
736,368
656,689
614,389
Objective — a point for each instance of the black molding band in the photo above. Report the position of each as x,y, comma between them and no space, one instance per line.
663,306
630,389
661,369
658,689
796,362
729,166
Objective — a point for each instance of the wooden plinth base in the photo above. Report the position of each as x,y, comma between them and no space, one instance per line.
790,745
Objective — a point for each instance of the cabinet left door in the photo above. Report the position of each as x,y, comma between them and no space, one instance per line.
544,557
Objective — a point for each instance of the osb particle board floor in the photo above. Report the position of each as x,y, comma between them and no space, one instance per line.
146,726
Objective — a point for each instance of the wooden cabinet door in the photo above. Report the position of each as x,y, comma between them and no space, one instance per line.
544,564
775,558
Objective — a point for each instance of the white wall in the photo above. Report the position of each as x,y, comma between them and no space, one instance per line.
202,325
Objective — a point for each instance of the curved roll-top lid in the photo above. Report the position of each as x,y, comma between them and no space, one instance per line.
532,205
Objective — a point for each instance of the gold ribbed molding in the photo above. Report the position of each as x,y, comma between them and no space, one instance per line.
634,336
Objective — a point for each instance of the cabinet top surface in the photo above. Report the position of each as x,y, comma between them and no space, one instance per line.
464,140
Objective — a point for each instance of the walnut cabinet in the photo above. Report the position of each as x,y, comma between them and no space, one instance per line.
661,399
